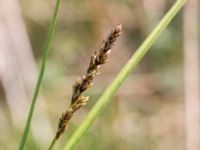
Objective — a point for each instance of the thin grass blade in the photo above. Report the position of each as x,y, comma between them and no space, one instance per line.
44,61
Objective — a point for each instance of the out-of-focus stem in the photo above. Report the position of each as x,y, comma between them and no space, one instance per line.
191,74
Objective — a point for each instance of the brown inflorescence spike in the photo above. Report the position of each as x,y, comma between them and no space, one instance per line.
86,81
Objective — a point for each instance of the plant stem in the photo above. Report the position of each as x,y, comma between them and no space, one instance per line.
52,143
37,88
130,65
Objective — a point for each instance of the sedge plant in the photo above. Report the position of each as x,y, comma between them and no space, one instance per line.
86,81
111,90
125,71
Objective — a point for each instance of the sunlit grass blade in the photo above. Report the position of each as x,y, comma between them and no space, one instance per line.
130,66
37,88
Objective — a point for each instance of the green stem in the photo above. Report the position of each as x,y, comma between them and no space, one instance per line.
37,88
52,144
131,64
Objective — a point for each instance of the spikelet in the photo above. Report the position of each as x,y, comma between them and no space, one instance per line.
86,81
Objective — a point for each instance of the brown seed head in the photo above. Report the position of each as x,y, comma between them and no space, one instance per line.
86,81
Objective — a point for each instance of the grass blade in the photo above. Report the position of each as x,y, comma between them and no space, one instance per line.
37,88
131,64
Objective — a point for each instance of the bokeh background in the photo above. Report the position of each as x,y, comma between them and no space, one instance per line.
156,108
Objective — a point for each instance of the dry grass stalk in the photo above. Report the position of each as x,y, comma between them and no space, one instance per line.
86,81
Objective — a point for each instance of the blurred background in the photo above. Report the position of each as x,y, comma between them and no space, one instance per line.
156,108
